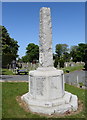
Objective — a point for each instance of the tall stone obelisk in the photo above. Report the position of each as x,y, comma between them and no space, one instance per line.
45,48
46,84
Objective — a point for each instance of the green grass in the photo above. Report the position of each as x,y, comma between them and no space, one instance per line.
71,69
7,72
11,108
81,94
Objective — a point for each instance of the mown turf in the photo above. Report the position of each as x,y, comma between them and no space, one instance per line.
11,108
7,72
71,69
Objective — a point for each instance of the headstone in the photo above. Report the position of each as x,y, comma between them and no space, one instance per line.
46,84
13,64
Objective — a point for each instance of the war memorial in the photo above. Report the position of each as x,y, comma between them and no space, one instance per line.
46,84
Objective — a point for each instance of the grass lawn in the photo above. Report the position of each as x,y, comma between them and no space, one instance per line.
11,108
74,68
7,72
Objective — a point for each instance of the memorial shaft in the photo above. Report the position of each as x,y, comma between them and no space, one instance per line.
45,48
47,93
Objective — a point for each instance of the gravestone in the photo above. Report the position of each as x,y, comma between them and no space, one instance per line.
13,64
46,84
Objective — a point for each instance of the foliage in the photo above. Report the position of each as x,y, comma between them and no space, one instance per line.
9,46
13,110
78,52
66,57
25,58
32,53
7,59
56,62
81,84
61,55
85,60
61,49
71,69
61,63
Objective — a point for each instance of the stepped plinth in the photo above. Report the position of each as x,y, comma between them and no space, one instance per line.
46,84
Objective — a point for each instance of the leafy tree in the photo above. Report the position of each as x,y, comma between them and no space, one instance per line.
9,47
61,49
56,61
81,52
73,53
25,58
78,52
61,62
61,55
66,56
85,60
32,53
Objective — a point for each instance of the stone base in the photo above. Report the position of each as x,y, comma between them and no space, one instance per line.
68,102
46,84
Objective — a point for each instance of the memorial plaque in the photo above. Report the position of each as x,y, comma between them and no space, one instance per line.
40,85
54,82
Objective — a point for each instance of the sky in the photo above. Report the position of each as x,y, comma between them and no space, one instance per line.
21,19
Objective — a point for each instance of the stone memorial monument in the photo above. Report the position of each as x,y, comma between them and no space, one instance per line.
46,84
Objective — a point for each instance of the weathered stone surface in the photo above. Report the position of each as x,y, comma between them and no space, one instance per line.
46,55
46,84
52,106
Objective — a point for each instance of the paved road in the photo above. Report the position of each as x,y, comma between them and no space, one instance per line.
69,77
14,77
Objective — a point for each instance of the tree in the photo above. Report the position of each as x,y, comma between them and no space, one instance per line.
32,53
61,49
78,52
56,61
9,47
73,52
81,52
61,62
61,54
66,56
25,58
85,60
